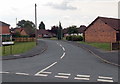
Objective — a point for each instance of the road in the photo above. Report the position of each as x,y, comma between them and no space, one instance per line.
61,62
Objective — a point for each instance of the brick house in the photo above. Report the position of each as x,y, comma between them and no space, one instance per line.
4,31
103,29
21,31
44,33
80,30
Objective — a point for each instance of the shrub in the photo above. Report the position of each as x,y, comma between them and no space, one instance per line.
74,38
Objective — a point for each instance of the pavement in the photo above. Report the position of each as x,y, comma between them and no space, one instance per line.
61,62
40,48
110,57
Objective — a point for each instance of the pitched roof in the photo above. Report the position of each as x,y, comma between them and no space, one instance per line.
112,22
43,31
18,29
81,29
4,24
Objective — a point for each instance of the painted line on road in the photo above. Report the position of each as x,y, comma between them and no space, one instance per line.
62,77
105,77
46,72
64,74
83,75
4,72
77,78
60,45
103,80
41,75
63,48
63,55
46,68
21,73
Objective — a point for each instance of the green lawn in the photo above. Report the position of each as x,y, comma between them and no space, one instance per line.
53,38
19,47
103,46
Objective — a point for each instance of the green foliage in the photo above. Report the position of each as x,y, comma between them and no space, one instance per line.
28,26
17,34
74,38
54,29
42,25
19,47
59,33
72,29
104,46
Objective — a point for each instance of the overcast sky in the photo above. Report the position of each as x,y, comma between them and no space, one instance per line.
69,12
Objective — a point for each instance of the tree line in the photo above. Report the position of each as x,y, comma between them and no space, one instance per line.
29,27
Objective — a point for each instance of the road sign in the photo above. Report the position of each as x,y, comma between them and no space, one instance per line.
7,43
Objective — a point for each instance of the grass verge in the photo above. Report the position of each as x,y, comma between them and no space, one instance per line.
19,47
103,46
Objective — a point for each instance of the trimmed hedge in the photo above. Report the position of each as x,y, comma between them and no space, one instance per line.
74,38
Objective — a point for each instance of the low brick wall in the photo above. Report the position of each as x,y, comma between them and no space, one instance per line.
116,46
24,39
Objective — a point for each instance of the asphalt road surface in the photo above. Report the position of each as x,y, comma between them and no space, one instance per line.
61,62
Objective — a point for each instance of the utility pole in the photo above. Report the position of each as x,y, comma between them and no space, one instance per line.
16,22
36,22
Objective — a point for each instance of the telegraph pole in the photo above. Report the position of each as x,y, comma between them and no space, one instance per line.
36,22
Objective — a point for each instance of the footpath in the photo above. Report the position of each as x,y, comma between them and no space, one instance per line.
40,48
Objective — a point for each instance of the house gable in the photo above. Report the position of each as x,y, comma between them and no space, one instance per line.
99,31
4,28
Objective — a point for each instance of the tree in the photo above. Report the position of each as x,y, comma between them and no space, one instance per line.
17,34
59,34
28,26
41,25
54,29
72,30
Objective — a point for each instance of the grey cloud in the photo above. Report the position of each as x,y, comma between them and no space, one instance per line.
63,6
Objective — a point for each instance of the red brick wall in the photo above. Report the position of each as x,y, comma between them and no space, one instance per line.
23,33
5,30
100,32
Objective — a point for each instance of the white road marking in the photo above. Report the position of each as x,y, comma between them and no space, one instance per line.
62,77
105,77
63,48
60,45
82,78
64,74
63,55
46,72
21,73
4,72
46,68
41,75
102,80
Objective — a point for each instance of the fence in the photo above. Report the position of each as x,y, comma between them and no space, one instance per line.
116,46
24,39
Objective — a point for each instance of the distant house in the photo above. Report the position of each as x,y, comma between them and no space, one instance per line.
4,31
21,31
103,29
44,33
80,30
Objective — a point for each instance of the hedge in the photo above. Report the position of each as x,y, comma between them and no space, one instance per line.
74,38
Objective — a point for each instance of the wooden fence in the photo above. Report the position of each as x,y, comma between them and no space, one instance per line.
116,46
24,39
